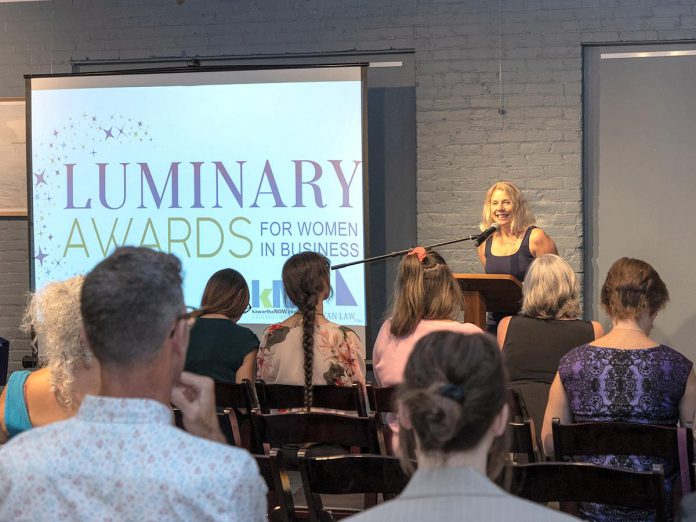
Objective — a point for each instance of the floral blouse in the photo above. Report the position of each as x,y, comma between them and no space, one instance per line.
338,355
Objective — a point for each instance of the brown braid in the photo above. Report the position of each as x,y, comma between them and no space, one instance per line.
305,278
308,319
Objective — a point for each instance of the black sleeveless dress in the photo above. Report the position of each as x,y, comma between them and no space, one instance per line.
515,265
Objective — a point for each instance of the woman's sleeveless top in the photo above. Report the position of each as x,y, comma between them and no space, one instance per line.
515,264
534,347
16,413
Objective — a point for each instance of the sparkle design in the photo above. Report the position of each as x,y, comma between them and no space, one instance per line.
83,139
40,256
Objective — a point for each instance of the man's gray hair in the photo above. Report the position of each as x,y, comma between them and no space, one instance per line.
130,302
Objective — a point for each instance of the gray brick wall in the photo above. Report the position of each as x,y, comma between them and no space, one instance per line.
464,145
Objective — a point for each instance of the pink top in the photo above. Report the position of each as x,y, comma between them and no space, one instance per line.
391,353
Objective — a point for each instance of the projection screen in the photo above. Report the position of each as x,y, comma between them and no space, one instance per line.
232,168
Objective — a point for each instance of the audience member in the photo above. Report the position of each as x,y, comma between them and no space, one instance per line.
120,457
546,329
427,298
68,368
453,398
219,347
625,376
307,349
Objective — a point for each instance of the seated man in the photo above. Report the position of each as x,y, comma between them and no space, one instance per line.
120,457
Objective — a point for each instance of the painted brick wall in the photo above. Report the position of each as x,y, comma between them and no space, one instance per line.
464,144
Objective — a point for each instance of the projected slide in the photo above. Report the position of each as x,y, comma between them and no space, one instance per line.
227,169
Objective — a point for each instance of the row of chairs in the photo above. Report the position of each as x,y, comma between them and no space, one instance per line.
376,472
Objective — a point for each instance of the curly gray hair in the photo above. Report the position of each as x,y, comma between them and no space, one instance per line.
54,314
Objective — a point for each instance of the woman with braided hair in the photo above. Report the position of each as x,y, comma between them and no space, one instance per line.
307,349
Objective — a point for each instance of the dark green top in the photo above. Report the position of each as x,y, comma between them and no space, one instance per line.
217,348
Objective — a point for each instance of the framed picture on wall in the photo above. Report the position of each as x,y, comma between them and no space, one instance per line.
13,145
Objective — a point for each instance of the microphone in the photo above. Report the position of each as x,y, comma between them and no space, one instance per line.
486,234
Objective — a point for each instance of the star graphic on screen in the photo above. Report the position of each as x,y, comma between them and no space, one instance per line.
57,172
94,118
40,178
140,124
120,130
50,237
108,134
40,257
93,152
55,133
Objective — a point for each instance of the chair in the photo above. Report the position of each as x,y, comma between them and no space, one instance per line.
280,506
521,430
281,429
236,402
382,401
569,483
345,475
286,396
620,438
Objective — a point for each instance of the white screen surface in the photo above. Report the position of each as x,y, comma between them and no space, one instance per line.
224,169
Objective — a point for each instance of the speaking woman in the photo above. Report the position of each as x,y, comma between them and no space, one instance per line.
514,246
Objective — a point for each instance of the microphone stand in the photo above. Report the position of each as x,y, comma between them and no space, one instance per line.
402,252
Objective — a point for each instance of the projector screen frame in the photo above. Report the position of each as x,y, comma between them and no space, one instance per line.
192,69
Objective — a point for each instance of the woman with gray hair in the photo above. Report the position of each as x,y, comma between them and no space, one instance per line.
547,328
68,371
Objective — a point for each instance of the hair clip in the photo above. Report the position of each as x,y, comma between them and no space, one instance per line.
418,251
451,391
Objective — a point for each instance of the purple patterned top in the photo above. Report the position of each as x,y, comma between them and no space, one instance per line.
643,386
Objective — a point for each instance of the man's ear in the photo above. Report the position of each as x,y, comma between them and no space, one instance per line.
180,339
500,421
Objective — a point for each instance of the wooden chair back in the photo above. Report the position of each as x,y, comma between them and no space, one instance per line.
382,400
569,483
345,475
621,438
285,397
281,429
235,403
280,503
521,430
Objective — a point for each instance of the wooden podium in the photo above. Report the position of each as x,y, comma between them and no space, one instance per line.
489,293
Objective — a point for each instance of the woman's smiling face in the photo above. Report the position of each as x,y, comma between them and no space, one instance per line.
501,207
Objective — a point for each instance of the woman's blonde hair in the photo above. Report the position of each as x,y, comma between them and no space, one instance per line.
424,290
522,216
550,289
54,315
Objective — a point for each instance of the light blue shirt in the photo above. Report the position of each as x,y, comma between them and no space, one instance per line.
122,459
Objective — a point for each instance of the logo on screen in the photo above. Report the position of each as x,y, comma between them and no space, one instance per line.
273,295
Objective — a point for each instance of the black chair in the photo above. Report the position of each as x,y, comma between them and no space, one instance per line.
282,429
346,475
280,504
381,400
521,432
570,483
285,397
235,402
622,438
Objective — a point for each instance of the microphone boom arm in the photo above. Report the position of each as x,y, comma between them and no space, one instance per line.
402,252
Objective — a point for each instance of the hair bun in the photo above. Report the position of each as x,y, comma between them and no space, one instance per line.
452,391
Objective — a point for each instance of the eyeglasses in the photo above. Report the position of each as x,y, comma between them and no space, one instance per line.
189,316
